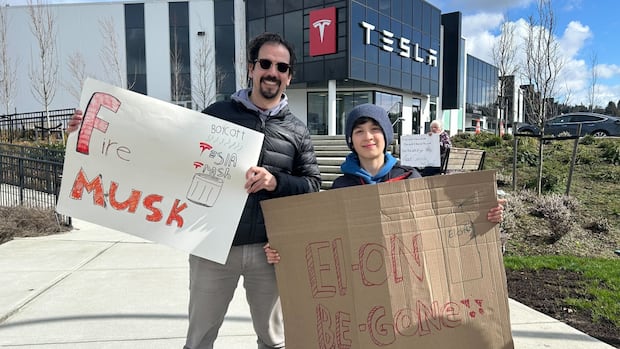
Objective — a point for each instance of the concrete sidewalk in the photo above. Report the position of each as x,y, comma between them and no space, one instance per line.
98,288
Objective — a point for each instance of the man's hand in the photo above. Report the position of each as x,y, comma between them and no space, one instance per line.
258,178
273,257
75,122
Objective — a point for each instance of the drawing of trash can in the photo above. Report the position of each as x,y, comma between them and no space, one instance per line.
204,189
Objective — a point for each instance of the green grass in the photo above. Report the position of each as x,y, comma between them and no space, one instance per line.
601,281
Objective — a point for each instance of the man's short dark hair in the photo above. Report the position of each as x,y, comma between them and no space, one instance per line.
258,42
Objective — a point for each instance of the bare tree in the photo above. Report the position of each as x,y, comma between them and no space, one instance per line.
593,88
176,68
504,54
44,76
77,68
543,61
542,65
110,52
568,94
206,76
8,69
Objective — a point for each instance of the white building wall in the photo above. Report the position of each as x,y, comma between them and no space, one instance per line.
78,31
298,103
407,123
157,39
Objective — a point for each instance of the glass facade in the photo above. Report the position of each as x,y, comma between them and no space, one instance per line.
345,101
481,99
394,105
135,48
225,49
180,78
396,44
290,18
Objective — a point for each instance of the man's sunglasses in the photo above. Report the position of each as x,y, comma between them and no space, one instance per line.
266,64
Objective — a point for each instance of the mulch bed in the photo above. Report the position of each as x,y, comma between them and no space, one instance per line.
544,290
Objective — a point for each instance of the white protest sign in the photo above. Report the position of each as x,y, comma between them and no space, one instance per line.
420,150
158,171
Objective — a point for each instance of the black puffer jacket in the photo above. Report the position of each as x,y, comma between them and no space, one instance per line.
287,153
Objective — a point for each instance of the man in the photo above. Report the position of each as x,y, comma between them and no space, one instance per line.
287,166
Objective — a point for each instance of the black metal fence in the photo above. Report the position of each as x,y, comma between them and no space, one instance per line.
30,177
34,126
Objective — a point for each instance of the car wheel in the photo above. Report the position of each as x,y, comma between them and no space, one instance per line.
599,133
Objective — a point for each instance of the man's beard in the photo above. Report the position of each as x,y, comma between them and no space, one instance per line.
269,92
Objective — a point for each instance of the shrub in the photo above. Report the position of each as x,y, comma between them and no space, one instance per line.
600,226
24,221
587,140
605,175
553,179
527,157
588,156
493,141
610,151
558,211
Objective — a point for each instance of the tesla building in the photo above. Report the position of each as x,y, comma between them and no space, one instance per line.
404,55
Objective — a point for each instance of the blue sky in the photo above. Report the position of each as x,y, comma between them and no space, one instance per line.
586,29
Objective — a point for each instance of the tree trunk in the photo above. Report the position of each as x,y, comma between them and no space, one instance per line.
540,163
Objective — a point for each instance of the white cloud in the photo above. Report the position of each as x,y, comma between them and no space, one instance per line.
482,30
574,37
573,82
607,71
572,5
477,29
479,5
481,22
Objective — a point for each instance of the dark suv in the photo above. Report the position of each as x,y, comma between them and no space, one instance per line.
598,125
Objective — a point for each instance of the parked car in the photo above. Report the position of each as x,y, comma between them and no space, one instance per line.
597,125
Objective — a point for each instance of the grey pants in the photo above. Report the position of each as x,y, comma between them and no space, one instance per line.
212,286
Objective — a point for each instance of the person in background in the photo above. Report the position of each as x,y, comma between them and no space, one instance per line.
287,166
368,131
444,137
444,145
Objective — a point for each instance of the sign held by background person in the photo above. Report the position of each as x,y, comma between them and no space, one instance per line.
420,150
158,171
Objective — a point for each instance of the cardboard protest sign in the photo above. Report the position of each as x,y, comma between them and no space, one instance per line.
409,264
420,150
158,171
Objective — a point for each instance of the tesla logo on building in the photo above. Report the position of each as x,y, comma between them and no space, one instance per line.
321,23
388,42
323,36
